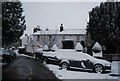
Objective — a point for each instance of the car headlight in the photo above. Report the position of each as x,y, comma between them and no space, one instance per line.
108,65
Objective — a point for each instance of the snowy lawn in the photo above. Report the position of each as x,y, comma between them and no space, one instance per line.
69,74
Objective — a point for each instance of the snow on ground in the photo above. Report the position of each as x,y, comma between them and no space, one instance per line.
69,74
17,54
25,55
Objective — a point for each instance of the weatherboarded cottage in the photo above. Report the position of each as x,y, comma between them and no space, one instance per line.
63,38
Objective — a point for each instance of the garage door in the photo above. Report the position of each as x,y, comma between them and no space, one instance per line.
68,44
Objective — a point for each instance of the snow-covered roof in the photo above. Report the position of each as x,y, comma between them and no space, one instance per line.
73,31
65,31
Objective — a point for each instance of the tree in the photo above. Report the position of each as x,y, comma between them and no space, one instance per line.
13,22
104,26
46,37
49,37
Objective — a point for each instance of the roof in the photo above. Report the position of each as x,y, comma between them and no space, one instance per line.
65,31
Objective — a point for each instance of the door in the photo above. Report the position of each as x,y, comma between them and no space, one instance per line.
68,44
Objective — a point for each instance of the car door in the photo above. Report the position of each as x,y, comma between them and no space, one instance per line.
51,57
77,60
83,61
75,63
86,62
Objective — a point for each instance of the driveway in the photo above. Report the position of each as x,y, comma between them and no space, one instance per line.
27,69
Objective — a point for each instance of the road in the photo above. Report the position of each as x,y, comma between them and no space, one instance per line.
24,68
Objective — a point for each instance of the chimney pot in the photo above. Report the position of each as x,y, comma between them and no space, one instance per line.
61,28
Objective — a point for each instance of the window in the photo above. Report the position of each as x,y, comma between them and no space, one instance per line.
27,39
63,37
77,38
69,44
38,37
83,43
30,39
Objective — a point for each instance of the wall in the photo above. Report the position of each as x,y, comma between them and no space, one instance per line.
57,39
24,41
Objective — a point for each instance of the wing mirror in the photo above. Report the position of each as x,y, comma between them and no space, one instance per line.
88,60
55,56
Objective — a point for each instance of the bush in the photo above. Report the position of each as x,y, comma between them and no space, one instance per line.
28,53
96,51
21,50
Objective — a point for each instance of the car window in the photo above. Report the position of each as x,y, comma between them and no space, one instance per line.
1,51
11,51
5,52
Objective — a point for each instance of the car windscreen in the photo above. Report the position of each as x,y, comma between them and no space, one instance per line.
1,51
5,51
11,52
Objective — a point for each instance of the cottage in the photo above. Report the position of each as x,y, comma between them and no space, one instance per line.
63,38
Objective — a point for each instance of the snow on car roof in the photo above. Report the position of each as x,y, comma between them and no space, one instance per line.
68,54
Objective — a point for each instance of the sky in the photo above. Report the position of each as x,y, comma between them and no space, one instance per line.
73,15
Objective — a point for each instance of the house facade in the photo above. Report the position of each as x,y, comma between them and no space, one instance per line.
63,38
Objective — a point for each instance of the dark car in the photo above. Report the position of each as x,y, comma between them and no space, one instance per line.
51,57
67,58
5,55
83,61
12,53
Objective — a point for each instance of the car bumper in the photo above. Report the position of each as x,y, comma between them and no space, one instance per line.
107,68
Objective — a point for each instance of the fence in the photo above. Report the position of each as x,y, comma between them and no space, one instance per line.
111,57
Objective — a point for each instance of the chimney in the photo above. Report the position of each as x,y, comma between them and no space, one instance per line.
61,28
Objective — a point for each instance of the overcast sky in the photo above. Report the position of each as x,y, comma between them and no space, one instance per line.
73,15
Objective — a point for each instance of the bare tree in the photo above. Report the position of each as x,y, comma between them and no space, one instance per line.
48,38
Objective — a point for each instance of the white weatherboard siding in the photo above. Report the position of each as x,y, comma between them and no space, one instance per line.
55,37
44,39
24,41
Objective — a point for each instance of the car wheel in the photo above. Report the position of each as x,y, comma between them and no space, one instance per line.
98,68
64,65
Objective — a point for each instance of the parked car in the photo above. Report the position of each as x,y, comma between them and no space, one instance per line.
5,55
1,53
83,61
12,53
66,59
51,57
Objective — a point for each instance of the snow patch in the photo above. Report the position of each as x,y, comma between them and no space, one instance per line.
79,47
54,47
97,46
69,74
45,47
